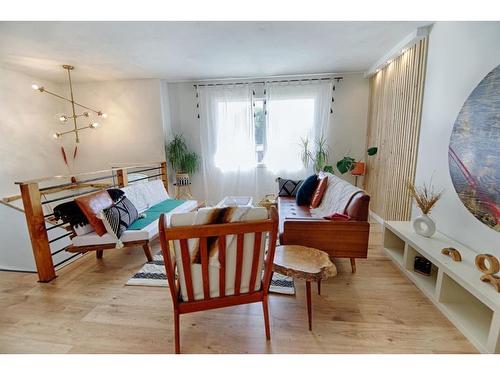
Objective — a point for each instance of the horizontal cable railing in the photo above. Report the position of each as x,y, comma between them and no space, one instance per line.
39,212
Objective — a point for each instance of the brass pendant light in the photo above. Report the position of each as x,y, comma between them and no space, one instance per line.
74,116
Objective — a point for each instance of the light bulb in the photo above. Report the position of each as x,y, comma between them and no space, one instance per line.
63,118
102,114
37,87
56,135
94,125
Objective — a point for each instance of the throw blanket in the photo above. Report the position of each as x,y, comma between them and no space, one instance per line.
337,195
214,215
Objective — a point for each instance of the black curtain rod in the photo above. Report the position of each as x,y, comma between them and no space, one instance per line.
276,81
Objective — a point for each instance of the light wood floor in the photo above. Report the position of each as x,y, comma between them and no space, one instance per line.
88,309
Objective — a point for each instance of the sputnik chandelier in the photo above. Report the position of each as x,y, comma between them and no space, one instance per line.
74,116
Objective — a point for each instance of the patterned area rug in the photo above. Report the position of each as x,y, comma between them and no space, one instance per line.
153,274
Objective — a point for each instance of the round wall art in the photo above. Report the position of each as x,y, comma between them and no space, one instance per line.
474,151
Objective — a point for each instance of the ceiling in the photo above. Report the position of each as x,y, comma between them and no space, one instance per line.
194,50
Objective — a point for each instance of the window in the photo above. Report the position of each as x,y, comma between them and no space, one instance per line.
291,120
265,128
260,128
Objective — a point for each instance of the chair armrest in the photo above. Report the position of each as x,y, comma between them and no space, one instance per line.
338,238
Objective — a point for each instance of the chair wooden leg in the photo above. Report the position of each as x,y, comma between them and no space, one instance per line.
98,254
265,308
309,307
319,287
147,251
177,334
353,265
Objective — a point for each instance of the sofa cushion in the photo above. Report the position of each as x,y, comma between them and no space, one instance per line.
118,217
319,192
153,213
91,205
155,192
288,188
306,190
136,194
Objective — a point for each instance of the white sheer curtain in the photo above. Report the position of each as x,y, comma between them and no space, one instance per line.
295,110
227,135
227,141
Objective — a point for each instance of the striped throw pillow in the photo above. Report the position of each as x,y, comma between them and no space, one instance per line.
118,217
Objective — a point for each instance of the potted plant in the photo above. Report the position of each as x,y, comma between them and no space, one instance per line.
357,168
317,156
426,198
183,161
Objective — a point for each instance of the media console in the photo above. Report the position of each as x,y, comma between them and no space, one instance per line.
454,287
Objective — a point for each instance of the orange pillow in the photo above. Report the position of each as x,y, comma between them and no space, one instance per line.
93,204
320,191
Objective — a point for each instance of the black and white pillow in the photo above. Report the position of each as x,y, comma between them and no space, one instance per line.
288,188
118,217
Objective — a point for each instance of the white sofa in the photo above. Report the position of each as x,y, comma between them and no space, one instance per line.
143,195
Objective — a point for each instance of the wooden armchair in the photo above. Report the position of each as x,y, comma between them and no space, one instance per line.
237,280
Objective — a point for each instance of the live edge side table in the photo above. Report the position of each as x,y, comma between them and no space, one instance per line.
304,263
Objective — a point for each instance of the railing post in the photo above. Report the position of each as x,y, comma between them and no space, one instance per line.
164,175
38,234
122,176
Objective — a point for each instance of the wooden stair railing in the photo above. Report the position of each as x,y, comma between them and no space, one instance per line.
36,218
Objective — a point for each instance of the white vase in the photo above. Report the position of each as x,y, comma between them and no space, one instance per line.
424,226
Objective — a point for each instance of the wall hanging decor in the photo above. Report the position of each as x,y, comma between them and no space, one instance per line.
474,152
74,116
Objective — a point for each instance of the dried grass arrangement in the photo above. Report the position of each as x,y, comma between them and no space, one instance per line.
425,196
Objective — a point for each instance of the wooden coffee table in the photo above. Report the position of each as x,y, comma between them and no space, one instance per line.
304,263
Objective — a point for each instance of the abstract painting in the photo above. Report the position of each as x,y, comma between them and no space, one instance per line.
474,151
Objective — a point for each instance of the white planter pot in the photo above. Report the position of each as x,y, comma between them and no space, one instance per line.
424,226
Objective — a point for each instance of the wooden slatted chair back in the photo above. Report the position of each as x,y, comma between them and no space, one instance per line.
202,233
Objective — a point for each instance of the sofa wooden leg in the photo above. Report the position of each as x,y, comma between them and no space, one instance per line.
353,265
147,251
98,254
319,287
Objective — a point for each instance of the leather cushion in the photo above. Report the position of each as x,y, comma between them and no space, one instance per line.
319,192
91,205
306,190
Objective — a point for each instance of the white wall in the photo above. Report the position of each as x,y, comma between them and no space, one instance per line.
460,55
27,149
133,131
347,129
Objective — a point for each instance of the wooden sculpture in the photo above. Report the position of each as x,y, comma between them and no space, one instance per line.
489,265
452,253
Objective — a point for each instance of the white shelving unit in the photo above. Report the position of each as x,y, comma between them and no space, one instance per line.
454,287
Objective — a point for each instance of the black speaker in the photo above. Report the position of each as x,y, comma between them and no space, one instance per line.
422,266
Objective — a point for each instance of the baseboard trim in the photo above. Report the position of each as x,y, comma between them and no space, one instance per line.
377,218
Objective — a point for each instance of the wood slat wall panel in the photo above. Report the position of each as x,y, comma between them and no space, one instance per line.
394,117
